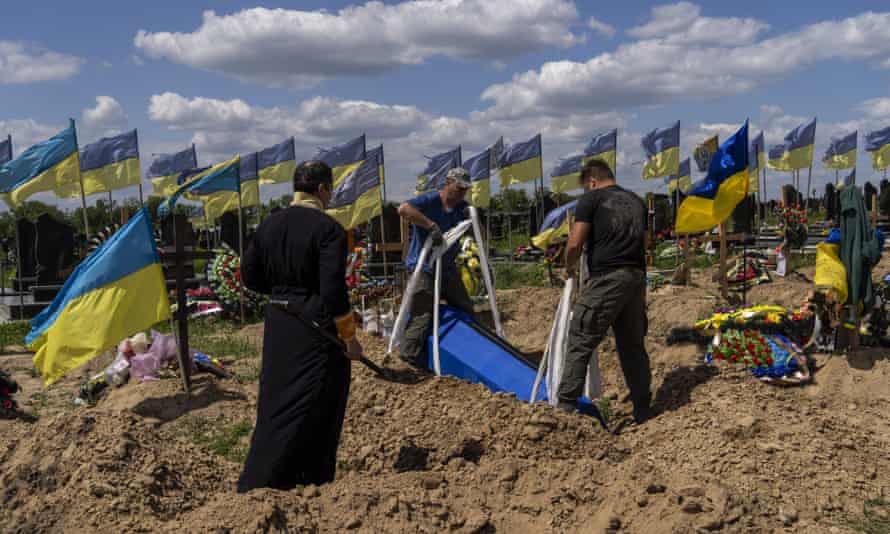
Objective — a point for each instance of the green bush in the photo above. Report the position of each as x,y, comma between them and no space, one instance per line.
13,333
516,275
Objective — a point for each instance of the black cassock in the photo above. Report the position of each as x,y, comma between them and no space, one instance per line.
298,254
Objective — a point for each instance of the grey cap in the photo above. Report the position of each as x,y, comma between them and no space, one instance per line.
459,175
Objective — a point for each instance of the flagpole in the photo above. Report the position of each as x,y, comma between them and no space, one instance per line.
382,208
806,208
240,250
83,196
540,220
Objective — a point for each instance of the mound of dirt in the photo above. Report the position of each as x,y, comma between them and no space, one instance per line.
725,453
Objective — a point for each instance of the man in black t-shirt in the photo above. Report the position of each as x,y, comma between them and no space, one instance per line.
611,222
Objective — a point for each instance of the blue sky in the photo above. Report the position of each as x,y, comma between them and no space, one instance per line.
422,76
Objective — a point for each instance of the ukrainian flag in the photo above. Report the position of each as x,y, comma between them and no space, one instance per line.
357,199
479,168
6,150
556,226
841,153
756,161
116,291
433,176
344,159
712,200
521,162
216,204
878,143
603,147
225,176
565,176
276,164
662,147
682,180
166,169
51,165
109,164
797,149
776,159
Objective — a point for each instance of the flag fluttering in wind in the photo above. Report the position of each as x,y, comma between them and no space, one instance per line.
878,143
5,150
116,291
566,174
343,159
166,169
357,199
433,176
711,200
704,151
276,164
841,152
520,162
603,147
662,148
479,170
51,165
797,150
756,162
683,180
225,176
216,204
109,164
557,225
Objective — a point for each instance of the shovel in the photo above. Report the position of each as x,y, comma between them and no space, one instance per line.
331,338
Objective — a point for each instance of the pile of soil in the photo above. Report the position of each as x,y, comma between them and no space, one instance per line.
725,453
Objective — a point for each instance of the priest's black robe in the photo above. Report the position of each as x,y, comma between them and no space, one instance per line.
298,254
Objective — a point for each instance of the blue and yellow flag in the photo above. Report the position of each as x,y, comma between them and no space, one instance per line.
711,201
117,291
357,199
109,164
225,176
166,169
521,162
841,152
775,157
216,204
878,143
603,147
797,149
276,164
662,148
6,150
566,174
682,180
343,159
556,226
756,162
51,165
433,176
479,169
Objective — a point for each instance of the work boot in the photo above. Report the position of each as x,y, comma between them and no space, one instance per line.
642,414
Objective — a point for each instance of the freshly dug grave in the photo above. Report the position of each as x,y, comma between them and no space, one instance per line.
725,453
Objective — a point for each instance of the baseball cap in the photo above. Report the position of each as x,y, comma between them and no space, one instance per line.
459,175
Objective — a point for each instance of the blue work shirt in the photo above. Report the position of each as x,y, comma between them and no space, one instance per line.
430,204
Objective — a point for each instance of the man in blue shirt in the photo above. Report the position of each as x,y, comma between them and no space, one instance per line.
432,214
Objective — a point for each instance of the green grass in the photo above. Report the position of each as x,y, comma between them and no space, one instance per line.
605,408
517,275
13,333
225,440
217,338
506,245
872,521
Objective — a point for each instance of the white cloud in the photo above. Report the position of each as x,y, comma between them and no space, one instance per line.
107,116
876,108
601,28
282,47
667,19
25,63
26,132
657,70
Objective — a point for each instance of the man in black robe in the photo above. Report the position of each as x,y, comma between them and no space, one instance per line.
299,255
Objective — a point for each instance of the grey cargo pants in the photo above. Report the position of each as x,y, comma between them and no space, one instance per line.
417,331
616,299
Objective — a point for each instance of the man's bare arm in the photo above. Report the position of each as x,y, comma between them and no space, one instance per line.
577,239
414,216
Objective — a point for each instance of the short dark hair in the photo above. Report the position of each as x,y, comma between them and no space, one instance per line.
595,166
310,174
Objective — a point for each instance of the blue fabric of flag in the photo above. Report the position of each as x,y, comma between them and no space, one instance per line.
109,150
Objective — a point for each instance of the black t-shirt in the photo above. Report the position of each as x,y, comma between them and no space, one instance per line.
618,220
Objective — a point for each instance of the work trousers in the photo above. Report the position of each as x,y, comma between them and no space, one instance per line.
614,299
418,328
